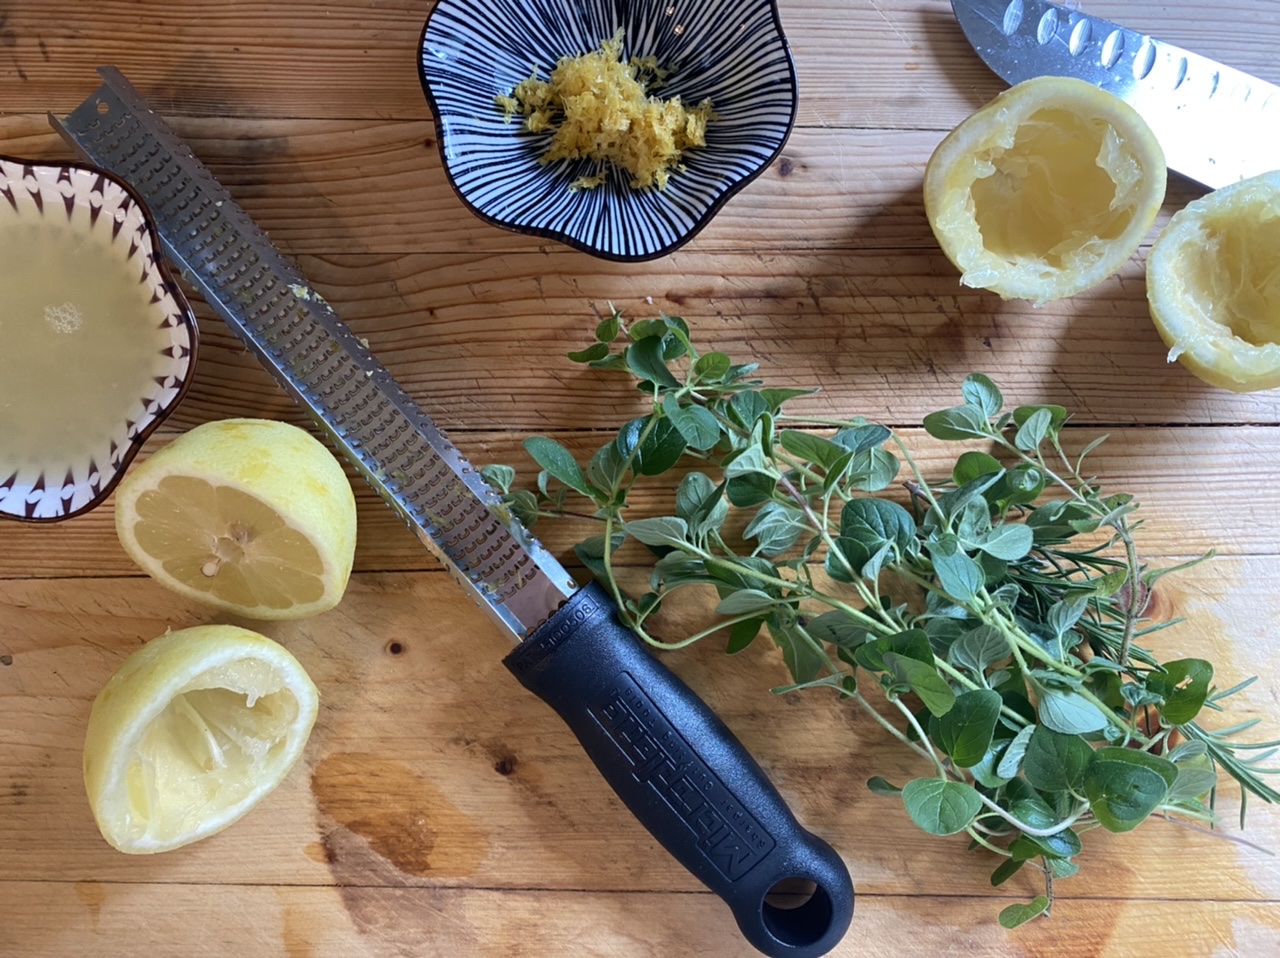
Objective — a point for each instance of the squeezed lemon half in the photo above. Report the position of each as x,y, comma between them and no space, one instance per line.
1046,190
1213,285
249,515
196,728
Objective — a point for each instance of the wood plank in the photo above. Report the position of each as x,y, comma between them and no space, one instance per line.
428,764
363,186
1230,506
439,808
46,920
481,339
897,64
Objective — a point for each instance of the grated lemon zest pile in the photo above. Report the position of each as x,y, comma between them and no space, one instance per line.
600,109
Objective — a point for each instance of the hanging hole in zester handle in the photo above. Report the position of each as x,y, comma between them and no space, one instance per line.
797,911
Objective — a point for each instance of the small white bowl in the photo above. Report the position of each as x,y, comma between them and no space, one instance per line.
84,296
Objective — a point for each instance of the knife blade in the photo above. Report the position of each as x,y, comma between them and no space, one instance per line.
1217,125
677,767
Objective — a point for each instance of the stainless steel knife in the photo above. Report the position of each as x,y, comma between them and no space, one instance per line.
1216,124
671,760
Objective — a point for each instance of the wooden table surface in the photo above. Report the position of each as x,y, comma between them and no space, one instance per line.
440,809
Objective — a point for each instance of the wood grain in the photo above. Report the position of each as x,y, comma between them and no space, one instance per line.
480,339
889,64
49,920
1230,507
440,809
429,765
377,186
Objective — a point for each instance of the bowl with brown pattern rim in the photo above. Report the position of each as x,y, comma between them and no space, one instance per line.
97,343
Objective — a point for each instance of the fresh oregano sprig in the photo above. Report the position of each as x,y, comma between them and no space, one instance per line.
1007,655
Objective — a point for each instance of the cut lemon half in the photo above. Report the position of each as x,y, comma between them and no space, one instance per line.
252,516
1046,190
196,728
1213,284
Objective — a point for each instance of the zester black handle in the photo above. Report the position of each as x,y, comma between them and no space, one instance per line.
686,777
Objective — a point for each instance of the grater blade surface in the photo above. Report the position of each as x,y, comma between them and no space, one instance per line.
297,336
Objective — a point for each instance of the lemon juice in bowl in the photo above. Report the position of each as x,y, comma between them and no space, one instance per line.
95,345
81,342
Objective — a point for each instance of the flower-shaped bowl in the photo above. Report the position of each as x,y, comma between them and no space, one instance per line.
732,52
97,344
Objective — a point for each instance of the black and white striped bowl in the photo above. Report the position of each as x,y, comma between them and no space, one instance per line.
730,51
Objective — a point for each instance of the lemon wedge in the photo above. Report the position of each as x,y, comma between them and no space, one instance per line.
196,728
1213,285
252,516
1046,190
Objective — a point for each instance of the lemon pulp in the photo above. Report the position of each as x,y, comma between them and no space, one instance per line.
249,515
1046,190
229,543
202,749
193,731
1051,196
1213,284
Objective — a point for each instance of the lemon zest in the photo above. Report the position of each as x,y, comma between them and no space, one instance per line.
600,108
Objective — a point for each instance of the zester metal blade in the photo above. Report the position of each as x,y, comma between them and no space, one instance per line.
298,337
1216,124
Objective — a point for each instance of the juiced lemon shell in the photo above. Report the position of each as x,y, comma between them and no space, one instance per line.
195,728
248,515
1046,190
1213,285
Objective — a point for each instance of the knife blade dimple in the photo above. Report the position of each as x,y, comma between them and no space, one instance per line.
1216,124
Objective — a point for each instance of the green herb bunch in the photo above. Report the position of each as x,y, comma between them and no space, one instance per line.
992,624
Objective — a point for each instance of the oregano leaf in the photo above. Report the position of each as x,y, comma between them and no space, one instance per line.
1056,762
1015,754
662,531
745,600
981,392
958,423
1020,914
1033,432
965,731
698,427
646,358
881,786
957,573
924,680
941,808
1070,712
1126,785
1184,686
558,461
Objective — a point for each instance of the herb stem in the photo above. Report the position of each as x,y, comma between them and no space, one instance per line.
1107,517
548,514
886,724
1031,829
822,528
610,579
958,676
1136,598
923,738
722,624
973,833
915,471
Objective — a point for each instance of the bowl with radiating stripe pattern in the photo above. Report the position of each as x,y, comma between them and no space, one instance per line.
732,52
